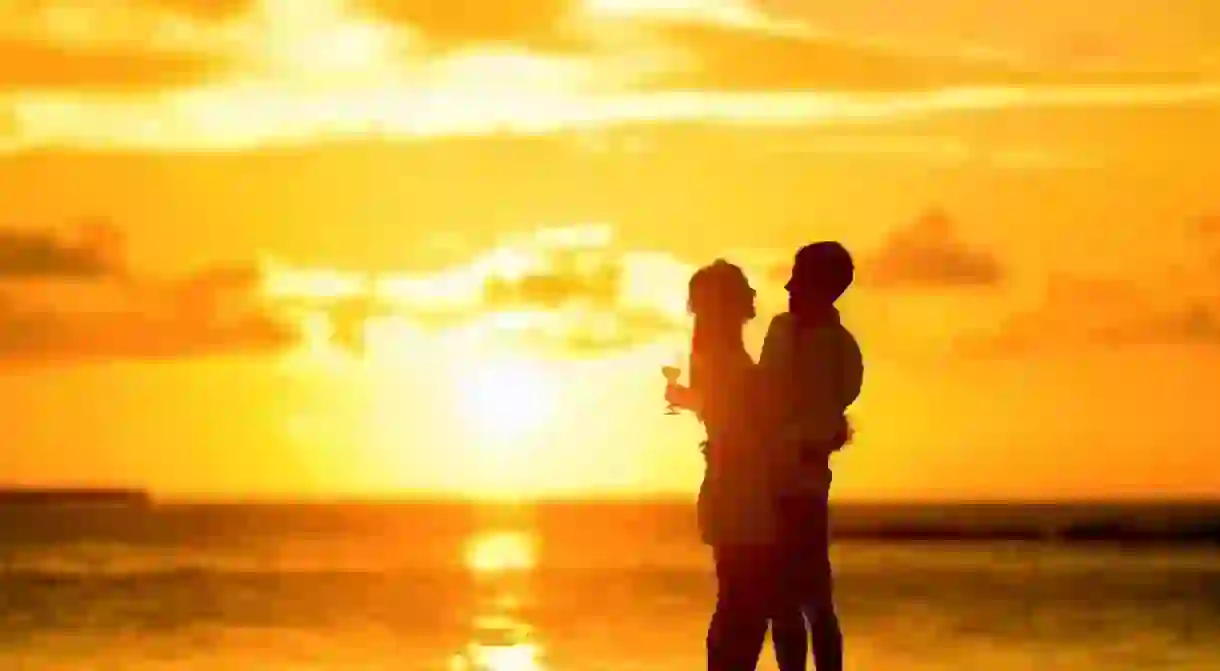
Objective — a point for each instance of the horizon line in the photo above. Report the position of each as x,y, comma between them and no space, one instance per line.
654,499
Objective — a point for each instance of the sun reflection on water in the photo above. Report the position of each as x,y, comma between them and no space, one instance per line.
482,657
501,639
500,551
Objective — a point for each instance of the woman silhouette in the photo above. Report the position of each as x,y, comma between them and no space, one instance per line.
735,509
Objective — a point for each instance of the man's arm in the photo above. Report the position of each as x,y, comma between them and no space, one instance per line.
852,369
851,382
818,388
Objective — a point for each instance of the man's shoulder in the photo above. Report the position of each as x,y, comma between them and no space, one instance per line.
781,320
831,339
845,332
777,344
848,336
780,328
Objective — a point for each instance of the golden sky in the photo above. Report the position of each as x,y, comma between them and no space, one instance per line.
346,246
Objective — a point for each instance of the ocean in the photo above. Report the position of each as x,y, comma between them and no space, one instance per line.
572,587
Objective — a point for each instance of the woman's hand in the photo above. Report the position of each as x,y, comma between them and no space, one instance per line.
682,397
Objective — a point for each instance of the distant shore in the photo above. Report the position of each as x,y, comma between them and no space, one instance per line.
1114,522
73,496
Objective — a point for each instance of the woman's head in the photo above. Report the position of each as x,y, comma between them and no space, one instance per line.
721,293
721,301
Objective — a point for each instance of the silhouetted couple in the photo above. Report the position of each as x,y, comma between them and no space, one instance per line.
771,430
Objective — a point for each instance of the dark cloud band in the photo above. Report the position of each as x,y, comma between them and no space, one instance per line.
42,66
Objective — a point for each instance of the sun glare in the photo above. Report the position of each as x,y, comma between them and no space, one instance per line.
505,400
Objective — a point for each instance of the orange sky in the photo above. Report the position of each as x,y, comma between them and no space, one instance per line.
326,246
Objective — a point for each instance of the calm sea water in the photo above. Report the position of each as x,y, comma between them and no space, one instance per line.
577,588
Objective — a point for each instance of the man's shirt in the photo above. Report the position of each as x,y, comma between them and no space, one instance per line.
814,374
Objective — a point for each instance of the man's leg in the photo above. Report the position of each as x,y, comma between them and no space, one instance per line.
739,625
790,638
818,588
826,634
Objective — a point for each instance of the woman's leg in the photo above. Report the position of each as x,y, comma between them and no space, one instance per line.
739,625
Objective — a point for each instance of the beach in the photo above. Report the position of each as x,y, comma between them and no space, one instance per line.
521,587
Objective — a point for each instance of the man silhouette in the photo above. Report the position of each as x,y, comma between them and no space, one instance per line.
816,369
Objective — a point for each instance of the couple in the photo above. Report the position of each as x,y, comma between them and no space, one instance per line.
771,429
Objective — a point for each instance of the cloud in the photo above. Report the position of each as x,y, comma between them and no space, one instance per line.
237,74
128,47
215,293
188,120
210,10
41,67
733,58
26,254
537,23
555,290
135,20
553,273
928,253
1175,304
49,337
206,10
240,74
10,127
41,336
69,300
1207,229
1083,312
716,45
570,288
725,45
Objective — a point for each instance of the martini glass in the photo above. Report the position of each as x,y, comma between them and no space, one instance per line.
671,373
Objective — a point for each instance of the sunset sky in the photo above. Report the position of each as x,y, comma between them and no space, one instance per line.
333,247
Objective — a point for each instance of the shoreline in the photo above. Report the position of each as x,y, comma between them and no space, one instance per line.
73,496
1129,523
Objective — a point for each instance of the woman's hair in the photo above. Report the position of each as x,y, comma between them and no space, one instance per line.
719,299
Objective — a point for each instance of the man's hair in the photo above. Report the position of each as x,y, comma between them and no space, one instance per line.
825,267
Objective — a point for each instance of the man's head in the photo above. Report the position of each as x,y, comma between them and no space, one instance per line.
821,272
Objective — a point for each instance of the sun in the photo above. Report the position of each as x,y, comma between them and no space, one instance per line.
506,400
